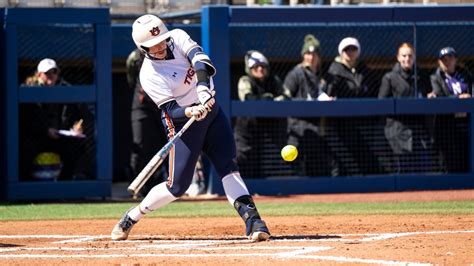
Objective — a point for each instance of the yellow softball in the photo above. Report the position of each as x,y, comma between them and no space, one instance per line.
289,153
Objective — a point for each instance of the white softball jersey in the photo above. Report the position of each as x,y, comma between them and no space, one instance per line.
173,79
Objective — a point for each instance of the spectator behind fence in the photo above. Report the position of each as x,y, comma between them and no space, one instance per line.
349,78
258,84
148,133
305,83
45,151
451,133
449,79
403,81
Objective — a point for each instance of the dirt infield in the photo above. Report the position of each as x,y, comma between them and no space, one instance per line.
322,240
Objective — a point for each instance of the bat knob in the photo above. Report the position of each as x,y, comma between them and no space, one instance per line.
131,191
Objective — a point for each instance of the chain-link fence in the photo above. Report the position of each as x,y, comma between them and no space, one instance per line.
358,145
71,46
45,153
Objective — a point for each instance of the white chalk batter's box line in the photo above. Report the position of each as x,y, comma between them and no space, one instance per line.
292,254
283,252
235,239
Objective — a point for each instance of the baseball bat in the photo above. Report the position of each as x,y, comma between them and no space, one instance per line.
156,161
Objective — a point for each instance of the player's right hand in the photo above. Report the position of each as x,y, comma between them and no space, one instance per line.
199,112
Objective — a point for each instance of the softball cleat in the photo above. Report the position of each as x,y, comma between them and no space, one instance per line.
259,231
123,228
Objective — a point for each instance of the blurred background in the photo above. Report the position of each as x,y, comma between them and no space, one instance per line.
72,46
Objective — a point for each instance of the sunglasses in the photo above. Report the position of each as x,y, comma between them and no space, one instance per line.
350,48
259,65
53,71
447,55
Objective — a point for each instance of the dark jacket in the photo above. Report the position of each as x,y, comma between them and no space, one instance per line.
37,118
344,82
252,89
440,88
247,129
450,135
399,84
77,155
303,84
141,101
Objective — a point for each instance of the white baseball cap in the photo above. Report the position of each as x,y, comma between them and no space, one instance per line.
256,58
46,64
349,41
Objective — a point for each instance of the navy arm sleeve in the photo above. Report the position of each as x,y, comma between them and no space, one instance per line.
175,111
202,65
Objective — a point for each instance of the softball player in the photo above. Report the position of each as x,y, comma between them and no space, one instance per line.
177,75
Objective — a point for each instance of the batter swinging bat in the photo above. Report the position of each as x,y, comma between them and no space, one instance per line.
156,161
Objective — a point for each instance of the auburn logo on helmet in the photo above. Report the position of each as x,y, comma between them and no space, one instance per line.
155,31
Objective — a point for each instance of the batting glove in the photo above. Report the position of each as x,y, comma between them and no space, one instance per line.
206,96
199,112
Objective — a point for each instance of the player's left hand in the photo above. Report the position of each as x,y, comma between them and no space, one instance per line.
206,96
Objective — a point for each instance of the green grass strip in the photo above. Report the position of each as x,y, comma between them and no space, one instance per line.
223,209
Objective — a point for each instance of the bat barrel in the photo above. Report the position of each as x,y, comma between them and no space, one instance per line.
144,175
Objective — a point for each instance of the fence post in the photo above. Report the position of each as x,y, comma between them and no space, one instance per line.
104,114
17,187
215,42
471,145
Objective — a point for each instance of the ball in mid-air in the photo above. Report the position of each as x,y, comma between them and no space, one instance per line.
289,153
